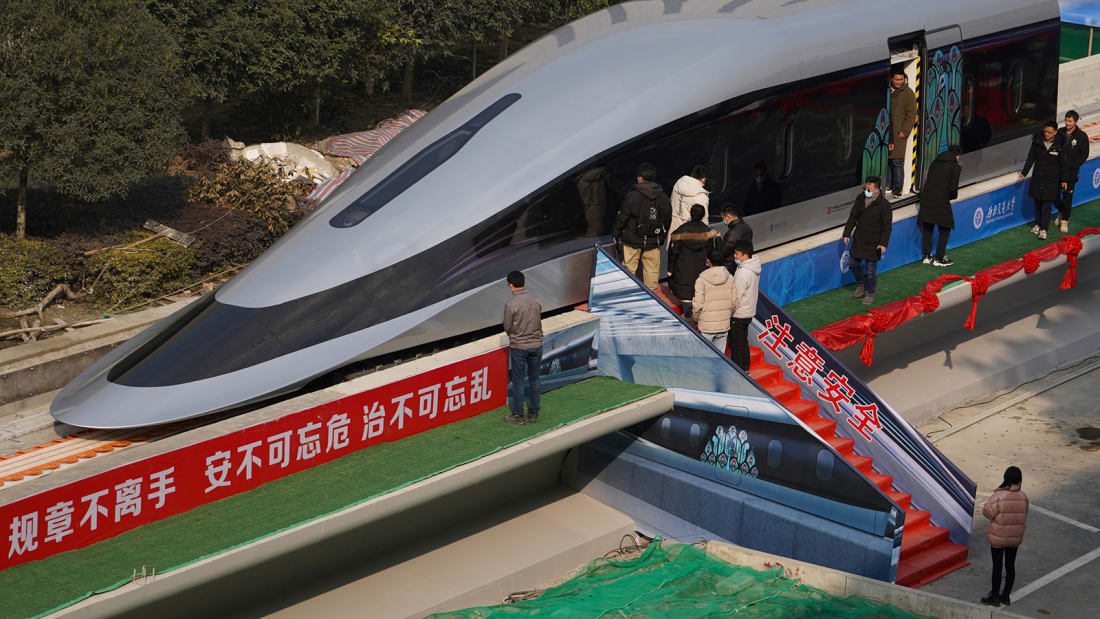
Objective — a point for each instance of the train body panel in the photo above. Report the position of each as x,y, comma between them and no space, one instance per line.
415,245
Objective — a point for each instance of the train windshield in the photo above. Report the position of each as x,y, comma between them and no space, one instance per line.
419,166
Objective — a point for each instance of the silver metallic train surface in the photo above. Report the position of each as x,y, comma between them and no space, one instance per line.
414,247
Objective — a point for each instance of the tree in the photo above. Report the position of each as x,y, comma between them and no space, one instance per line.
498,19
90,96
229,47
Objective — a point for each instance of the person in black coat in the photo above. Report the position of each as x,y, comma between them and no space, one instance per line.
1046,156
687,255
940,188
594,187
872,220
737,229
1075,152
642,224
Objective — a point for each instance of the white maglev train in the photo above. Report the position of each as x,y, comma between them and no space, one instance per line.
415,246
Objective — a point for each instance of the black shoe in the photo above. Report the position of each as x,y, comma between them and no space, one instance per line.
992,599
1004,600
943,262
532,417
515,419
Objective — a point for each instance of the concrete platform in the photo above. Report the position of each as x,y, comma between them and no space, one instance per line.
516,548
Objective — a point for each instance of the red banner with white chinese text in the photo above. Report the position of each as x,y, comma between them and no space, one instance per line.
102,506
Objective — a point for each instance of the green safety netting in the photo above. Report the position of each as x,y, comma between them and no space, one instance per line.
681,581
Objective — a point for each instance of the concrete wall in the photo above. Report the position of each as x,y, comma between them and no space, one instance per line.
845,584
688,508
1078,85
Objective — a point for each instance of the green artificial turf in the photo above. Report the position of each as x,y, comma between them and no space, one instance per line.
833,305
35,588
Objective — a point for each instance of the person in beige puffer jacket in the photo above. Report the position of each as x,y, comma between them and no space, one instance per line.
1007,514
713,303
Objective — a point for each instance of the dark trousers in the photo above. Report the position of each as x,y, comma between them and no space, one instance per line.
866,275
1008,556
926,228
1067,200
526,363
1042,213
895,174
739,341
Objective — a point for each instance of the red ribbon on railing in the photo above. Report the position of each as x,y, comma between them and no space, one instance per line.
850,331
1071,245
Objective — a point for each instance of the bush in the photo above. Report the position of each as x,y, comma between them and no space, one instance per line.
30,269
255,188
135,274
236,240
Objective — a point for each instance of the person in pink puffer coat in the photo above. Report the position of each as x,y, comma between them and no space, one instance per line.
1007,514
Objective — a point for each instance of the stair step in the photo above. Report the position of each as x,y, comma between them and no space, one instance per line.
782,390
765,372
916,518
904,499
931,564
920,539
842,445
756,355
884,482
862,463
825,427
806,410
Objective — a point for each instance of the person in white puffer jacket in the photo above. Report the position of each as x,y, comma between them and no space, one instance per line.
686,192
746,289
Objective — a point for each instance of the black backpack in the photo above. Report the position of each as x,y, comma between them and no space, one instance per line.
649,221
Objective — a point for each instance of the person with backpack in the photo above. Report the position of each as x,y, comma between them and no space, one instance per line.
642,224
1007,514
687,255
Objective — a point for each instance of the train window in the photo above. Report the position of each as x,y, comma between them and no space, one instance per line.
716,169
1014,93
775,453
845,135
696,435
967,102
784,149
420,165
666,427
825,465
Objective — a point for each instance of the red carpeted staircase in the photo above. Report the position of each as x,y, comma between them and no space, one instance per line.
926,552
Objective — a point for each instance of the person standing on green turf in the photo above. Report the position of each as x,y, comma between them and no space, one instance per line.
871,220
523,324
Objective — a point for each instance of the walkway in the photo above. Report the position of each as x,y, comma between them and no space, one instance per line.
1051,431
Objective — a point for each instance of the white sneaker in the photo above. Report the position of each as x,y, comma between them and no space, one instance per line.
1035,229
946,262
1057,219
1042,235
1064,227
927,259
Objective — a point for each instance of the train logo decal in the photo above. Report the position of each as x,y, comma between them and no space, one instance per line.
1096,178
979,216
845,259
730,450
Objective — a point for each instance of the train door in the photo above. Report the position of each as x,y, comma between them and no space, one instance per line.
940,93
905,56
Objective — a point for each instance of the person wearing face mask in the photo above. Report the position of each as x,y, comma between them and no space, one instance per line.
737,229
903,115
1046,156
871,220
763,193
1075,153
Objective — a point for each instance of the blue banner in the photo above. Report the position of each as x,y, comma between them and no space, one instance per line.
825,267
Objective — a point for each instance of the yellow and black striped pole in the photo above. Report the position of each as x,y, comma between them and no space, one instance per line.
916,131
